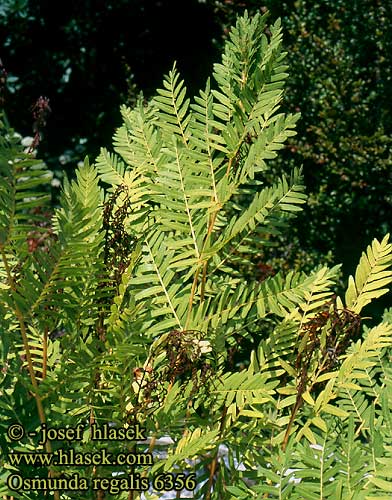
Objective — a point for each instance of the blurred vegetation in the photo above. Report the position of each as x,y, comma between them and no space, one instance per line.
90,56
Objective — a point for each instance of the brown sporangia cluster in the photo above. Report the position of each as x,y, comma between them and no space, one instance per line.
344,326
3,84
183,350
41,110
264,271
184,360
118,242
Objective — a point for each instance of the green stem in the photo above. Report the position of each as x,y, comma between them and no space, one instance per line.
30,366
214,462
191,297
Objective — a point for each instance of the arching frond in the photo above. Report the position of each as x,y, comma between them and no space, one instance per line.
371,276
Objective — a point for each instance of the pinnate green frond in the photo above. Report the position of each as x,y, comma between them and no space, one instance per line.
250,80
193,444
356,390
206,129
239,61
276,295
278,346
318,293
173,106
182,190
22,193
238,392
154,286
138,140
371,276
284,196
73,259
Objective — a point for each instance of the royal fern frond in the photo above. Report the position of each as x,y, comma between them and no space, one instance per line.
136,309
371,275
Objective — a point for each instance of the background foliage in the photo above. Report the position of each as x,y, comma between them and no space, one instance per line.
87,56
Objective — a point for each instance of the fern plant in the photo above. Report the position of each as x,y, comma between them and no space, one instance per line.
129,308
